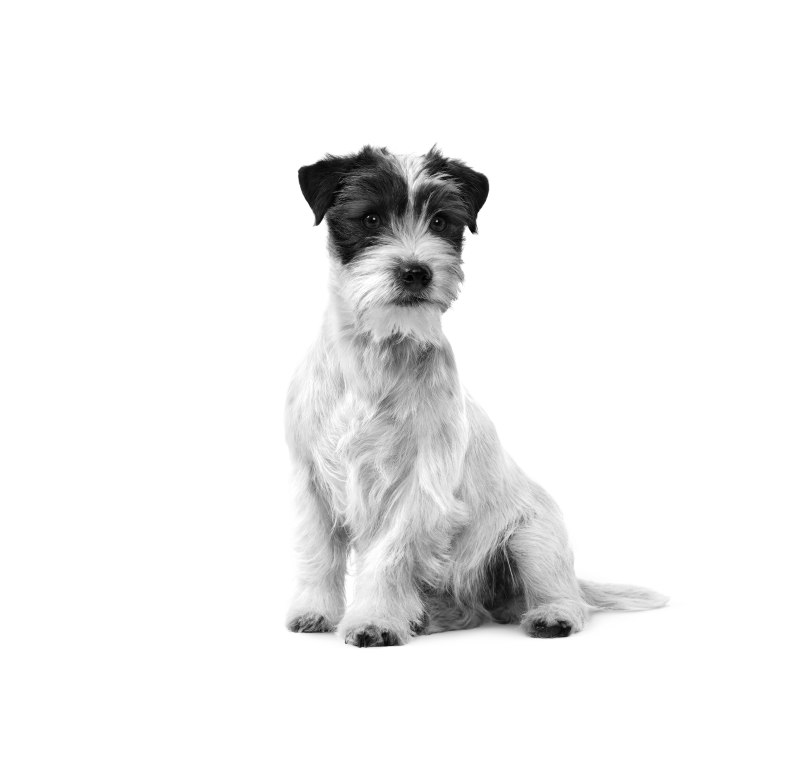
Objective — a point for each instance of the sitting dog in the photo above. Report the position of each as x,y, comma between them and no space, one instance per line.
393,459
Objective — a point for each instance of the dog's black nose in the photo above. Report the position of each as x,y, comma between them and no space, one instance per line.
416,277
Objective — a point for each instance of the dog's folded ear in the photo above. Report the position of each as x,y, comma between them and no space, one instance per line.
473,185
322,180
475,189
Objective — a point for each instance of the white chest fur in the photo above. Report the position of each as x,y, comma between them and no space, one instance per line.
381,425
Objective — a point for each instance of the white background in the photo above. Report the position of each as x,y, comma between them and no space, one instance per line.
626,322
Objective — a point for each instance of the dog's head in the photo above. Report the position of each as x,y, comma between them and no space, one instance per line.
395,225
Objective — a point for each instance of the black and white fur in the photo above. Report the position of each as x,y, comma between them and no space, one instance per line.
394,461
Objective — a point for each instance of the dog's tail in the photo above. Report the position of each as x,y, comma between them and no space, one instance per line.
620,596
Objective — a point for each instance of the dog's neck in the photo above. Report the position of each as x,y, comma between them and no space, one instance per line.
408,345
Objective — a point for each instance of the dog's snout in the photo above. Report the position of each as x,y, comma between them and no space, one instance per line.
415,277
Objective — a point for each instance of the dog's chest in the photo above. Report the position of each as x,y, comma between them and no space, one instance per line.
370,434
366,447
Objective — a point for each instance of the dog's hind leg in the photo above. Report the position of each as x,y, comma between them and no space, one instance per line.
503,595
538,549
322,548
445,613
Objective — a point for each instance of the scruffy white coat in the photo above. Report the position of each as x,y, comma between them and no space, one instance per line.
395,462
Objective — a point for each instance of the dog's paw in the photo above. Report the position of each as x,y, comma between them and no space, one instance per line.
309,622
541,629
371,636
555,619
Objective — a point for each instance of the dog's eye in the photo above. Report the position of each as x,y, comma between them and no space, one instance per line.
438,223
371,221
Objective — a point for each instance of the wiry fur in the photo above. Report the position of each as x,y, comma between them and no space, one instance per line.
393,459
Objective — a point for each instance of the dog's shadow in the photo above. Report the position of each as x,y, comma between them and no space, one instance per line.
474,635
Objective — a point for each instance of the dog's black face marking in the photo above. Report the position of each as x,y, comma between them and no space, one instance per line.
356,191
473,186
376,189
438,197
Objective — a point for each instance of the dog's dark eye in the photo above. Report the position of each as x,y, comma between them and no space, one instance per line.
371,221
438,223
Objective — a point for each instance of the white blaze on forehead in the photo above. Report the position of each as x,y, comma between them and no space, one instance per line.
412,167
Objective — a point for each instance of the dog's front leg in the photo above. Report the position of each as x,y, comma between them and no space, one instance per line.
392,567
386,601
322,547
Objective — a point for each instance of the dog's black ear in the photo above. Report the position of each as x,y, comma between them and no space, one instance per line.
475,188
473,185
321,181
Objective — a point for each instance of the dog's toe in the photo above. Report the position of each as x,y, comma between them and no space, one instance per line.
541,629
309,622
371,636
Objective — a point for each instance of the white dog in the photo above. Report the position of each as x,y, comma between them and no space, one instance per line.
393,459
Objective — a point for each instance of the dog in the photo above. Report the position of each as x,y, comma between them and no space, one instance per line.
393,460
